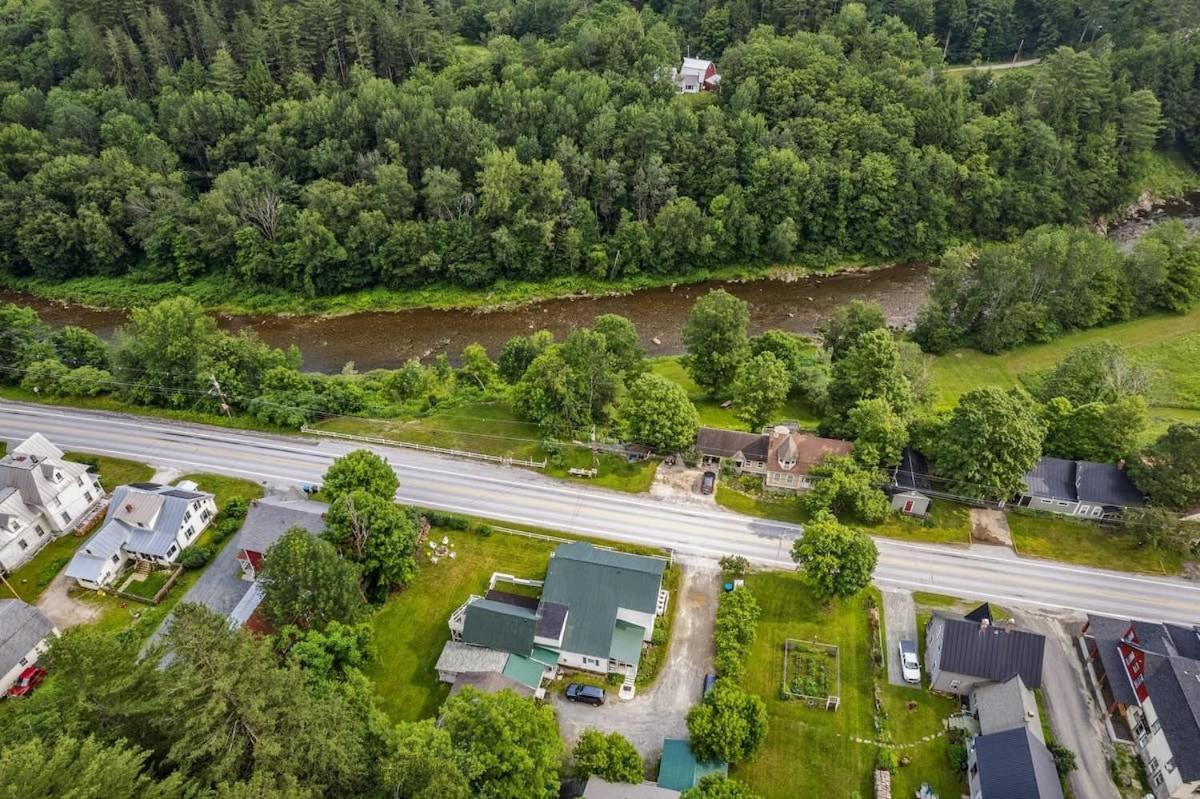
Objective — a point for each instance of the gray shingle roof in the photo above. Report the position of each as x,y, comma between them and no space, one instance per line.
992,652
593,583
1174,686
1006,706
269,518
461,658
720,443
1185,639
22,627
1015,765
913,471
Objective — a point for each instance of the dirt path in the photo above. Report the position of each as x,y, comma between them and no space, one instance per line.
1073,715
61,609
660,711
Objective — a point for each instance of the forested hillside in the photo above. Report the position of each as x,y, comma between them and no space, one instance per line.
323,146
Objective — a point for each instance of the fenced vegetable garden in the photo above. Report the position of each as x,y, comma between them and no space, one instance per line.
812,673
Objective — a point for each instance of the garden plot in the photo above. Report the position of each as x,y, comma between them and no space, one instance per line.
812,673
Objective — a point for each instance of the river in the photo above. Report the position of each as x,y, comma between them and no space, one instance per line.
380,339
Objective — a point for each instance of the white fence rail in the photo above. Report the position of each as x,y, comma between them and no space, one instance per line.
454,453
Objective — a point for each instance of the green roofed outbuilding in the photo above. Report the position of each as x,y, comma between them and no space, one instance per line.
680,770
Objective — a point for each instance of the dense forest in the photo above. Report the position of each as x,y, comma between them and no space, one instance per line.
321,147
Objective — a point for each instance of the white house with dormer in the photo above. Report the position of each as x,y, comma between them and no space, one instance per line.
145,522
42,496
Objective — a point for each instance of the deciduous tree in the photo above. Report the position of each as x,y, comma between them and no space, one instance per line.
377,534
990,441
838,560
1168,471
304,581
658,413
759,388
716,341
609,756
360,470
730,724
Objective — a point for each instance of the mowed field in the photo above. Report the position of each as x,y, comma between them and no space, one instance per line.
1168,344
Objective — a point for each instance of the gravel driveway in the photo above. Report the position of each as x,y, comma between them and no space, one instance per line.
1073,715
900,621
660,711
63,610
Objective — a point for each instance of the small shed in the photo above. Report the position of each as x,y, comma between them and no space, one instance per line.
912,503
680,770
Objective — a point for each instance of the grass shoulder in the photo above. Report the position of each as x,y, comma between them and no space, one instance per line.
1045,535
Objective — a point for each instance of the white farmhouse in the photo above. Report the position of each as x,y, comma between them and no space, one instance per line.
145,522
697,75
42,496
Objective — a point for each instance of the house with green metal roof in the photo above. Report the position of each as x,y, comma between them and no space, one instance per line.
594,611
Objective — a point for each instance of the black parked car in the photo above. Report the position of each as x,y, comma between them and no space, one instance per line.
588,694
709,481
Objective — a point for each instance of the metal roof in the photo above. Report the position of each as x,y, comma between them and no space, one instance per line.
19,470
22,627
593,584
626,645
992,651
526,671
1082,481
680,770
498,625
913,471
1016,765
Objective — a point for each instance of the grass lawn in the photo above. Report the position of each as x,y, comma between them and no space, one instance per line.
712,414
225,488
1062,538
491,428
411,628
31,579
947,523
810,751
150,586
1169,344
113,471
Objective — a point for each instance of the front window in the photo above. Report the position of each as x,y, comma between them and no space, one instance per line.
21,543
40,531
66,517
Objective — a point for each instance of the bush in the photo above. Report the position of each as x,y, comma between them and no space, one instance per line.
737,619
886,759
483,530
194,557
447,521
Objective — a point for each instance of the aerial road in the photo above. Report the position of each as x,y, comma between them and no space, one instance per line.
526,497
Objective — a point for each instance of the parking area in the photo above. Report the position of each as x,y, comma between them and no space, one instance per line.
900,621
659,711
677,482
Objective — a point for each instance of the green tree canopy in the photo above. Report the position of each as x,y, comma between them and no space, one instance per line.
360,470
717,786
304,581
838,560
990,441
848,324
880,434
870,369
759,389
657,412
609,756
507,746
716,341
730,724
88,769
1097,372
846,489
1169,470
378,535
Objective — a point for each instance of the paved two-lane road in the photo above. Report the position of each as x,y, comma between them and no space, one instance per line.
521,496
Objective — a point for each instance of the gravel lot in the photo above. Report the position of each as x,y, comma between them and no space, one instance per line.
660,711
900,621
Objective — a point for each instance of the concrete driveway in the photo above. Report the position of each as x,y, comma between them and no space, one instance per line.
1074,718
660,711
900,621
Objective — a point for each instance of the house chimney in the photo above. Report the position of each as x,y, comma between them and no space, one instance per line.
129,509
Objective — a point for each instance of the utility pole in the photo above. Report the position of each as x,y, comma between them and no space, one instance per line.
946,49
8,585
1017,57
220,394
